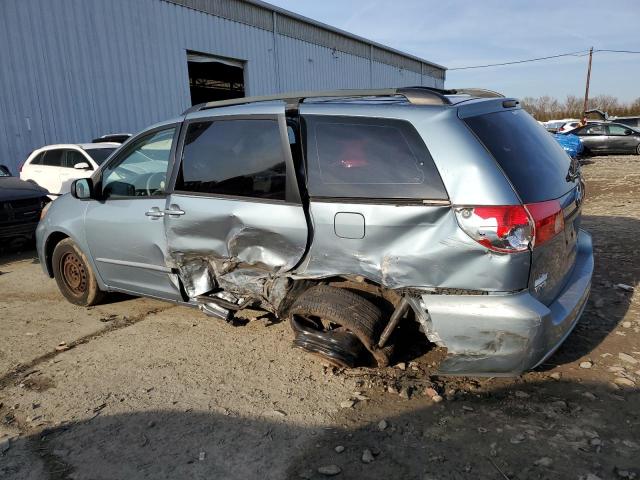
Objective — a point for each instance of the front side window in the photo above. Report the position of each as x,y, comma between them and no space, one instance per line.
53,158
618,130
369,158
141,171
73,157
234,157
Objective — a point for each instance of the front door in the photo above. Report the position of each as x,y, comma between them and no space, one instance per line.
124,228
235,220
621,139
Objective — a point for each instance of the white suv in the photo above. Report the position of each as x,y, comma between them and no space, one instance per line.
54,167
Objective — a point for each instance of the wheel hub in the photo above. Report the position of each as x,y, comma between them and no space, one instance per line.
74,274
338,346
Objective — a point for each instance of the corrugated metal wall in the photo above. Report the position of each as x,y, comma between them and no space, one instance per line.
75,69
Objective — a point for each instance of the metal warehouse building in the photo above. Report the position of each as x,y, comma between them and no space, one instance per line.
72,70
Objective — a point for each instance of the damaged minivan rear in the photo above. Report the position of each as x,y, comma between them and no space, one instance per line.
346,214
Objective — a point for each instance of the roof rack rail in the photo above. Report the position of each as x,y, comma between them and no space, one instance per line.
475,92
415,95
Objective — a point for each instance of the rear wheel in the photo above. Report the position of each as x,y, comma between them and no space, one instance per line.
339,326
74,276
638,149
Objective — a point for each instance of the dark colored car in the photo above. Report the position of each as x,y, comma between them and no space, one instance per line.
608,138
21,203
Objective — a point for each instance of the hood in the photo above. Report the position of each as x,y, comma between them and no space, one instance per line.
12,188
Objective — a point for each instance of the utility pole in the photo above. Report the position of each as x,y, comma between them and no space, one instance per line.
586,91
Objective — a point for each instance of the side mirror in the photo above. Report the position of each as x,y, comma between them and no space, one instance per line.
82,166
82,189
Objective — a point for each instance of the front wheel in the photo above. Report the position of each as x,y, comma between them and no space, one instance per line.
74,275
638,149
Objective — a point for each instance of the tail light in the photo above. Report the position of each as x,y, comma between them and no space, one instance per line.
512,228
505,229
548,220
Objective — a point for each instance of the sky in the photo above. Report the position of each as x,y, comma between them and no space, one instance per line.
465,32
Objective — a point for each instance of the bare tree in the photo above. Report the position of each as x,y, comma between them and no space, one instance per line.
548,108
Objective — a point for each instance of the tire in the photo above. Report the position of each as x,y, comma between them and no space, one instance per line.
638,149
74,276
340,326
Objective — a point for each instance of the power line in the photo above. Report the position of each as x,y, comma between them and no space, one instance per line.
571,54
617,51
580,53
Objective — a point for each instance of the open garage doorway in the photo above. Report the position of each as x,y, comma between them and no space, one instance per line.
214,78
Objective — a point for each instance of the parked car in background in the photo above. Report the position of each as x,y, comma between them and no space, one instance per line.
604,138
20,206
568,126
345,213
54,167
570,143
552,126
113,137
633,122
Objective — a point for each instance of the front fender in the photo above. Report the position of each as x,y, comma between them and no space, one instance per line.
65,217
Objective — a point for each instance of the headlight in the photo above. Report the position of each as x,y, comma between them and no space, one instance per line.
46,206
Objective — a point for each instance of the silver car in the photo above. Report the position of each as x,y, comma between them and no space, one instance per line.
346,213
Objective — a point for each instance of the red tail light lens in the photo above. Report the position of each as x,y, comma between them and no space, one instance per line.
505,229
512,228
548,219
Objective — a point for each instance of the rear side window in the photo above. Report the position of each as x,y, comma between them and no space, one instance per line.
53,158
37,160
234,157
530,157
369,158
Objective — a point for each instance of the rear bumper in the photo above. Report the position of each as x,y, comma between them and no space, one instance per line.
501,335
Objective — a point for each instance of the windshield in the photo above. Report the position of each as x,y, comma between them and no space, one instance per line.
99,155
4,171
532,159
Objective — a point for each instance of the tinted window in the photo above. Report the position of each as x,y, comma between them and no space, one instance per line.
369,158
74,157
532,159
99,155
234,157
53,158
37,160
141,170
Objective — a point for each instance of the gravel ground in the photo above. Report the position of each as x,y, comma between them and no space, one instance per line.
144,389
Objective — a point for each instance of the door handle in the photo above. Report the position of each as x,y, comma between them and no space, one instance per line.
154,213
174,211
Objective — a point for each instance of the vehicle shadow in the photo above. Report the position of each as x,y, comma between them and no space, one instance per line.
615,255
17,252
542,430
